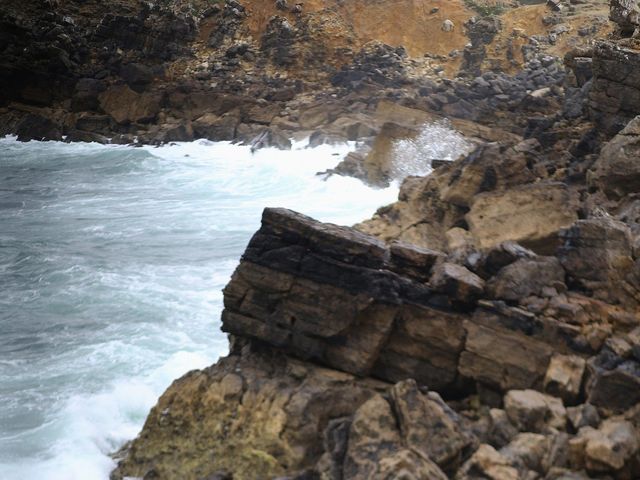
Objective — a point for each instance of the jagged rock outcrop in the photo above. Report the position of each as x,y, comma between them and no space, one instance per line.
546,337
617,170
341,298
614,97
260,415
625,14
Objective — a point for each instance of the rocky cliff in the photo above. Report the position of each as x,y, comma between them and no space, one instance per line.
485,326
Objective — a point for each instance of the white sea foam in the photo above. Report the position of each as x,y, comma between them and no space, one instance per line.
436,141
113,273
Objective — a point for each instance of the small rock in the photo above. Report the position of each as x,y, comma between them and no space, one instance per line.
564,377
532,411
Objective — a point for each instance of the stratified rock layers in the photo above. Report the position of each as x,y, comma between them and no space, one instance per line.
325,319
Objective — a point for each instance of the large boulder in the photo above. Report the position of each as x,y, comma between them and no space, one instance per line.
531,215
597,253
397,436
533,411
612,448
376,449
614,96
340,297
617,169
625,14
216,127
488,168
34,126
564,377
126,106
500,357
246,414
487,463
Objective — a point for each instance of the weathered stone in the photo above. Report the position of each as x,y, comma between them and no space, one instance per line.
243,415
608,448
413,260
615,388
564,377
597,252
526,277
531,215
329,293
423,418
216,127
625,14
425,344
614,97
617,170
493,260
502,351
136,75
126,106
37,127
488,168
487,463
527,451
585,415
501,430
376,449
532,411
456,281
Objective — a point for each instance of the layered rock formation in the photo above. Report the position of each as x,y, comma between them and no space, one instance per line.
470,338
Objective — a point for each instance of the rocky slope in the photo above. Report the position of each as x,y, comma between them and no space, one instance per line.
485,326
255,71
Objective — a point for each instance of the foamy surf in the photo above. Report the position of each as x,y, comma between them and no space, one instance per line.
113,259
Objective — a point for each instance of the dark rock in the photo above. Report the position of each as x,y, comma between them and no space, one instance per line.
617,389
526,277
136,75
216,127
37,127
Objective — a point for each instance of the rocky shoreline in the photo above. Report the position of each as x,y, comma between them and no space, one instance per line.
484,326
259,74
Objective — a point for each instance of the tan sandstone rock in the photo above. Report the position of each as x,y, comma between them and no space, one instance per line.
531,215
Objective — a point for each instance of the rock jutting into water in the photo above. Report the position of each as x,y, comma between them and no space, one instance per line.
486,325
490,329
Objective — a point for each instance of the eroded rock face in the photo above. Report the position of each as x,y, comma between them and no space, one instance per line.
342,298
614,97
531,215
127,106
260,415
376,314
331,294
257,416
617,170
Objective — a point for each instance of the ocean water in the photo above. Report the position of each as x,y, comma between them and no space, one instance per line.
112,261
